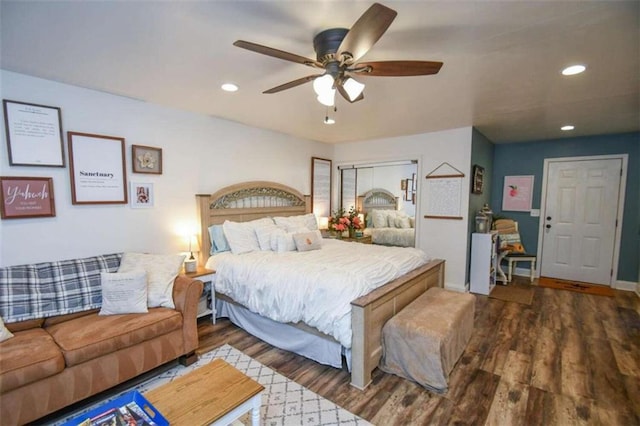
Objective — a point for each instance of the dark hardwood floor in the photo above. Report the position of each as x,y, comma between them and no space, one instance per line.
566,359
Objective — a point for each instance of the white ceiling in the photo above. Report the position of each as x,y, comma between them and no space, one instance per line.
501,73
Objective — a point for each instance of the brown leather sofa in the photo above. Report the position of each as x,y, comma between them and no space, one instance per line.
54,362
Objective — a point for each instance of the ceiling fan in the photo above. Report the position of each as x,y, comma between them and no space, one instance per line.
338,51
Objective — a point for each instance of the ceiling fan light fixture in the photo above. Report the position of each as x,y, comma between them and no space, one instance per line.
328,98
329,120
574,69
353,88
323,85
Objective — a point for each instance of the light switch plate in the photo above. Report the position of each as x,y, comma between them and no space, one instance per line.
535,212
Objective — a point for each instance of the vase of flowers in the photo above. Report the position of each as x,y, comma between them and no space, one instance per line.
341,221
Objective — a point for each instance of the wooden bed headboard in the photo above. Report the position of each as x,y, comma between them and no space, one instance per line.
377,199
246,201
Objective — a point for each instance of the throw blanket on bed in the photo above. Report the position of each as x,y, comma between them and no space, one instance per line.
315,287
401,237
47,289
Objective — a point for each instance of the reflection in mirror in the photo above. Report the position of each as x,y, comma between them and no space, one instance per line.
348,188
386,193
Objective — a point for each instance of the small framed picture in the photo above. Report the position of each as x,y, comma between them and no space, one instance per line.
478,180
141,195
403,184
146,159
25,197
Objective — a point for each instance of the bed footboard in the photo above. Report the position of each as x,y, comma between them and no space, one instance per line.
369,314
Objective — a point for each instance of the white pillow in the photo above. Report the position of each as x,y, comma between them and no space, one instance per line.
124,293
282,241
264,233
162,270
242,236
4,332
391,218
402,222
306,241
379,218
291,223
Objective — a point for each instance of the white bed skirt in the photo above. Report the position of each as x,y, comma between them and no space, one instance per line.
285,336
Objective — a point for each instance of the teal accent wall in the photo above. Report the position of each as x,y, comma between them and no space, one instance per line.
528,159
482,155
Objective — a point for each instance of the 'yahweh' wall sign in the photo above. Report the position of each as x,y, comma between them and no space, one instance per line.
24,197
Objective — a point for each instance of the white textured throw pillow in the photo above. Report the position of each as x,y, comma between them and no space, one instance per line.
124,293
403,222
379,218
282,241
4,333
306,241
162,270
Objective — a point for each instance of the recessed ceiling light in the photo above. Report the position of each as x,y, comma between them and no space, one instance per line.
229,87
567,128
573,70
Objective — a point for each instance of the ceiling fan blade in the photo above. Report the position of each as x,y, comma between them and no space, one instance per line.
292,84
280,54
366,31
397,68
345,95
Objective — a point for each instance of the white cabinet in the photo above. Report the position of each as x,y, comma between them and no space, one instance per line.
484,261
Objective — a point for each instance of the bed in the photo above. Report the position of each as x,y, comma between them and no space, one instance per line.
386,225
368,313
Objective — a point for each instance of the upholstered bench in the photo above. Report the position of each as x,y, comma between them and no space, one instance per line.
424,341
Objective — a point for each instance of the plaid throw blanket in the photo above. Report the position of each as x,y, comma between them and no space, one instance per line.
48,289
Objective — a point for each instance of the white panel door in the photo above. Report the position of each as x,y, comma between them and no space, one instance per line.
580,220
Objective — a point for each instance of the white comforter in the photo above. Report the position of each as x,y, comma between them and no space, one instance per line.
315,287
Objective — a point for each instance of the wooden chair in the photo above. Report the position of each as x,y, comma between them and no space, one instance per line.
511,243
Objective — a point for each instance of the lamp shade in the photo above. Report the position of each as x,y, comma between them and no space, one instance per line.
322,85
327,99
353,88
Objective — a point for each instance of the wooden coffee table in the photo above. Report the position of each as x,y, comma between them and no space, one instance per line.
214,394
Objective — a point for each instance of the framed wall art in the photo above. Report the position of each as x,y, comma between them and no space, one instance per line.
517,193
34,134
477,186
146,159
97,169
25,197
141,195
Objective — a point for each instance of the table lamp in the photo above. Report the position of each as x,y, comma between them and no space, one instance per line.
191,264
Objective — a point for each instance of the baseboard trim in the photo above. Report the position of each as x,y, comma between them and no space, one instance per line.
626,286
618,285
453,287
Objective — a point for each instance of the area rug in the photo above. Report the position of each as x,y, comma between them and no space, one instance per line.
598,290
513,293
284,402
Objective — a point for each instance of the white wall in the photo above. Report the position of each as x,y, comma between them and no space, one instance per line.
445,239
201,154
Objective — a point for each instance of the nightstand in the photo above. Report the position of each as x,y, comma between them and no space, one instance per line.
207,303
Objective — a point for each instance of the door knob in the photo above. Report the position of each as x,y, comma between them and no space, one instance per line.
548,226
548,217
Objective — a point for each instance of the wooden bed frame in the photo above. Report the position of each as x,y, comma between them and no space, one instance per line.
377,198
254,200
